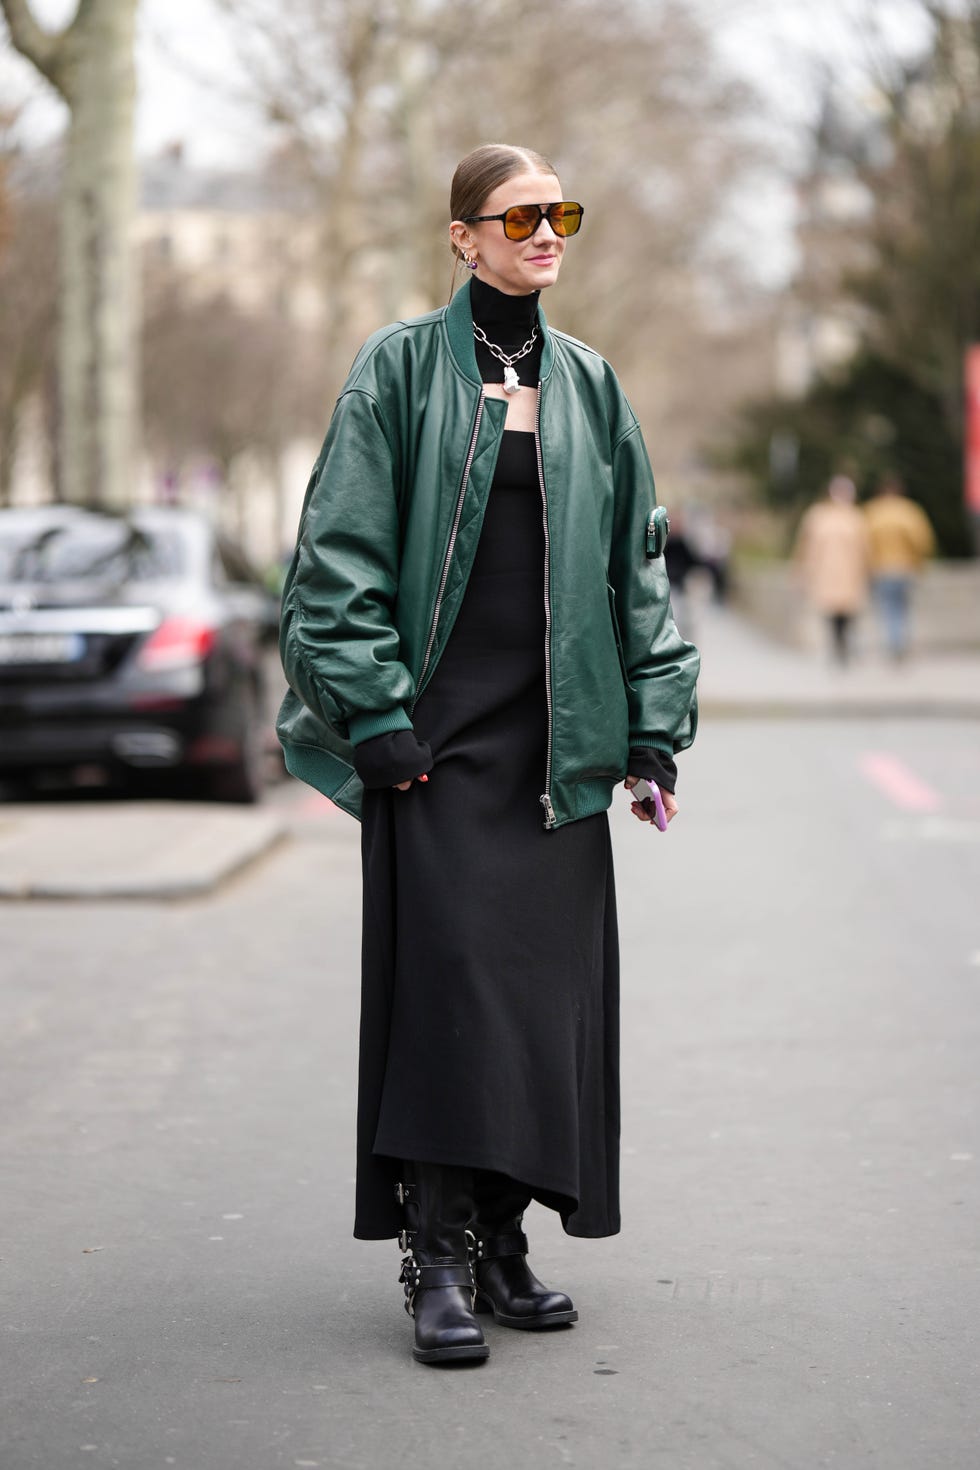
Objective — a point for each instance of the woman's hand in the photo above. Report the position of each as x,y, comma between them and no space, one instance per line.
404,785
394,753
669,800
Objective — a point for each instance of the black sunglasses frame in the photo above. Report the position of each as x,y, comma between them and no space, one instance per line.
544,212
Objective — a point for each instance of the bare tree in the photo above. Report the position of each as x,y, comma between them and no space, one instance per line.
224,384
313,67
28,274
90,64
381,97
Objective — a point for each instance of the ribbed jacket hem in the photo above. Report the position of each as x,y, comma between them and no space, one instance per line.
326,773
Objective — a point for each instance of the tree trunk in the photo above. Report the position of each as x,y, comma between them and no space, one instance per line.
91,64
97,344
421,274
8,453
345,230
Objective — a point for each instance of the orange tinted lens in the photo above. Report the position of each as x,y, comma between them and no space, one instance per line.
521,221
565,217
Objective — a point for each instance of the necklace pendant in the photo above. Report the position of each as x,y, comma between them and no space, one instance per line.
511,381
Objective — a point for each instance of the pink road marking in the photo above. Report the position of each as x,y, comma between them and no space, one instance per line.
318,805
902,787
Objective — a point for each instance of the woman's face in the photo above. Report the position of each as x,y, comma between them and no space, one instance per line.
515,267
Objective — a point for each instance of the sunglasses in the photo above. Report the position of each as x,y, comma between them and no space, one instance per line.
521,220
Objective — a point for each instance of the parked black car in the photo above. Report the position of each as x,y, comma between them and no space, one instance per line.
131,642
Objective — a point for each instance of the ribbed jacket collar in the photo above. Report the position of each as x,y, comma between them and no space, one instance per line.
459,327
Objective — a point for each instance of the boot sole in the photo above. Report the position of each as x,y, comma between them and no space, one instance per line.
466,1352
525,1324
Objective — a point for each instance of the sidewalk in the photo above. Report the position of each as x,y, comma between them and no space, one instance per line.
140,849
746,674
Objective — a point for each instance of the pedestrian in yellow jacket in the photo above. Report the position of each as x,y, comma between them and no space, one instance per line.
900,540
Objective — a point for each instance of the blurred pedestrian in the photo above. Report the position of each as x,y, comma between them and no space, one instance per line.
681,560
831,553
477,636
900,541
713,542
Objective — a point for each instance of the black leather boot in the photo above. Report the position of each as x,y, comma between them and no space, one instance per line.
437,1273
505,1283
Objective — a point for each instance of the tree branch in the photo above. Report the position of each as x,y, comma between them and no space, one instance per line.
81,14
42,48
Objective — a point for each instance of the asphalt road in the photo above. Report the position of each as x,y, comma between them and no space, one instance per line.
798,1279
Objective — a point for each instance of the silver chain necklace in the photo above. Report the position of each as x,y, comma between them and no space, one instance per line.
511,381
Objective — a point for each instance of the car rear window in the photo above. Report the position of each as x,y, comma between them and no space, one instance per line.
113,551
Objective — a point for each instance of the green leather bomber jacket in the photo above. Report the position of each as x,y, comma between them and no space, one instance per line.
388,535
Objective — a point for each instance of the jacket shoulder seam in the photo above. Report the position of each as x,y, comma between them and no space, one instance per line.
633,428
575,342
364,392
384,335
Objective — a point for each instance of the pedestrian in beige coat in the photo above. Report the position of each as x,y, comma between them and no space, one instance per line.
832,559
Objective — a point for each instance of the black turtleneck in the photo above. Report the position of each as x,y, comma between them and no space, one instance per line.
508,322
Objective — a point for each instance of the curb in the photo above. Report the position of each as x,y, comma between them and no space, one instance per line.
776,707
141,851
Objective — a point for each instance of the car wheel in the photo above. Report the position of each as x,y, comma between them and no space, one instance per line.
16,787
244,779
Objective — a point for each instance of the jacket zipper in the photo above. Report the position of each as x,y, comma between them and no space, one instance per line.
545,798
452,546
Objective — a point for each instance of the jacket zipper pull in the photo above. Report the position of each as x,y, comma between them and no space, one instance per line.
549,811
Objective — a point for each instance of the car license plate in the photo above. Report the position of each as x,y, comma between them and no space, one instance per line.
41,648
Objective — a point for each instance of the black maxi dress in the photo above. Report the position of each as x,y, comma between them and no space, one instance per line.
490,965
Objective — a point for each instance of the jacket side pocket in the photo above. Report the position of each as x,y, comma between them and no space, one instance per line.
611,593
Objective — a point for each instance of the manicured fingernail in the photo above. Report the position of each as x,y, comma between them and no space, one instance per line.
423,778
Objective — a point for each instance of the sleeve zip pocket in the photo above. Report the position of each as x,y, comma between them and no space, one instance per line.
658,528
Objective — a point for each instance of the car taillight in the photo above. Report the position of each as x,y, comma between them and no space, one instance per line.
177,642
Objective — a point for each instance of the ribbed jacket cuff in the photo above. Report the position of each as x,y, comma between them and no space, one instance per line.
654,765
369,723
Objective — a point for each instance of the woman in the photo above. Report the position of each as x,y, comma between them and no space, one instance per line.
831,555
478,643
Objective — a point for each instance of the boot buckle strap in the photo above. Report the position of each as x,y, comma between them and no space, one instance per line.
451,1273
410,1277
411,1273
416,1277
503,1243
405,1194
